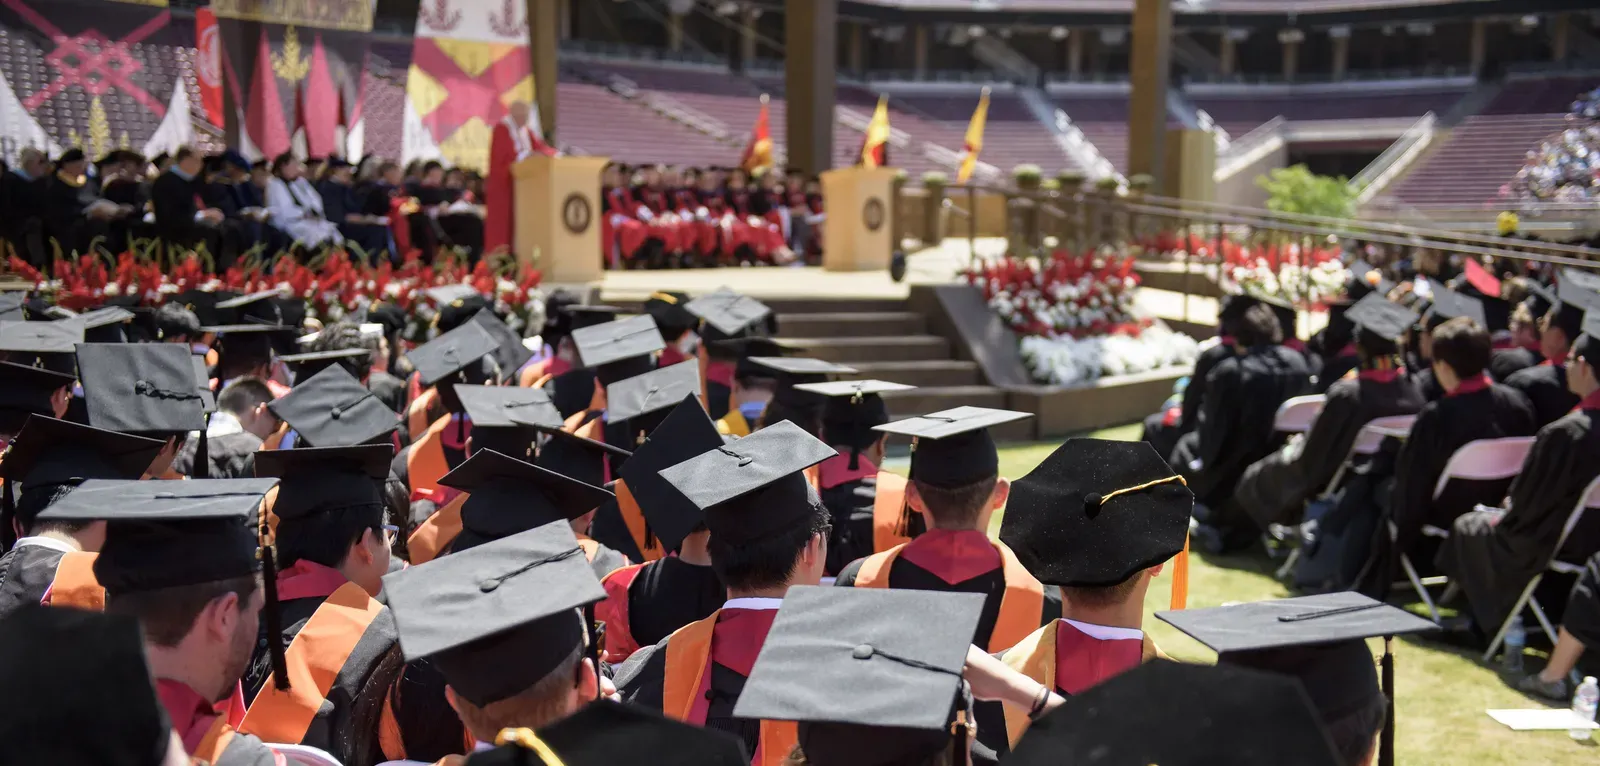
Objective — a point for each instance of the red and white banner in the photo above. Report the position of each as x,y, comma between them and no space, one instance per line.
208,64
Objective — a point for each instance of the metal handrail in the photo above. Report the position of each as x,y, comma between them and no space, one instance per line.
1249,148
1378,173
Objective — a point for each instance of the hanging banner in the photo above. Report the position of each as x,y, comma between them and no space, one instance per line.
208,65
295,67
469,62
97,75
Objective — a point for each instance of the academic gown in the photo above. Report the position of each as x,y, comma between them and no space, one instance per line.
1235,428
26,572
1427,383
646,602
354,626
968,562
1507,361
229,456
1333,369
1545,386
22,216
389,389
1164,436
1582,615
849,495
1072,656
205,731
1274,489
1493,561
1477,410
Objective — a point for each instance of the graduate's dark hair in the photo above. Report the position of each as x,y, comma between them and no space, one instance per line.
174,320
1587,348
32,501
1464,345
429,729
956,507
1258,327
1371,347
1355,735
168,614
325,537
767,562
244,395
344,336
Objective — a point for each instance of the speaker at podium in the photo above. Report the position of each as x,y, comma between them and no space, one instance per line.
558,216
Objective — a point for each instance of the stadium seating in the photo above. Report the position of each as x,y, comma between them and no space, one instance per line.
1241,114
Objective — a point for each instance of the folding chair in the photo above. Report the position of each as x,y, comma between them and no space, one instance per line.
1477,460
1367,442
1296,414
1589,500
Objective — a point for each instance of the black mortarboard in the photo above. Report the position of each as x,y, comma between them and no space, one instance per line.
1574,300
256,342
28,389
452,352
1449,304
165,534
576,457
1382,317
1288,316
511,354
653,391
11,306
305,365
687,431
753,487
203,303
1539,300
71,155
508,496
620,349
1096,512
669,311
333,409
1317,639
508,407
141,388
1591,324
444,295
49,452
324,479
811,370
500,617
1182,715
953,448
458,310
101,658
202,384
104,325
572,391
1588,280
871,674
588,316
727,312
257,305
607,733
852,412
41,344
1496,313
803,408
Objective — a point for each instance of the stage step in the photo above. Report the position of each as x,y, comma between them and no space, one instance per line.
872,348
835,324
925,373
829,305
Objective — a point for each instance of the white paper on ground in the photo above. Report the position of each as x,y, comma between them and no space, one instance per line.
1541,719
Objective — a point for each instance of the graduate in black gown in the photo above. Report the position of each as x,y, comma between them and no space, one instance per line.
1165,428
1235,429
67,196
1493,556
848,483
1442,305
1545,384
342,204
1473,408
1526,339
22,211
1274,489
1580,630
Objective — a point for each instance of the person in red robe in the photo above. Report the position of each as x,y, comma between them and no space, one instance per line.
515,139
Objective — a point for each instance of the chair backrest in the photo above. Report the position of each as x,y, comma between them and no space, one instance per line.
1371,436
1297,413
1484,460
1589,500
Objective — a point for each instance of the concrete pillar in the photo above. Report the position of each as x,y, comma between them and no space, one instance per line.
810,78
1480,43
1227,54
747,34
1341,56
1151,58
544,30
1560,25
857,47
919,50
1291,59
674,32
565,12
1075,40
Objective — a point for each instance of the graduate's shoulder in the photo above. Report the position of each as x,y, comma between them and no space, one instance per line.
848,574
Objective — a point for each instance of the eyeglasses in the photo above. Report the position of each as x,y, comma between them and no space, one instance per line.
390,533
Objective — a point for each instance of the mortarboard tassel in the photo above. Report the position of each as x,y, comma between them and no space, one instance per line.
903,528
1386,739
529,743
271,617
202,453
1180,578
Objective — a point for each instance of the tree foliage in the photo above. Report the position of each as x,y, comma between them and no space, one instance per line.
1298,190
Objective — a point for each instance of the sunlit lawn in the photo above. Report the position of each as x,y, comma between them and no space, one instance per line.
1441,692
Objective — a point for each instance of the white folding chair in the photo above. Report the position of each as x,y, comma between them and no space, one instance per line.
1477,460
1296,414
305,755
1368,440
1589,500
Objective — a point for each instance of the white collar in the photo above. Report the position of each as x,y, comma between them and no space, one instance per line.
46,542
1105,632
224,423
753,603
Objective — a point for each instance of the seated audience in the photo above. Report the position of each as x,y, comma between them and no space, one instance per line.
297,207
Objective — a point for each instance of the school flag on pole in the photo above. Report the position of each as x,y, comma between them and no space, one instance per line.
974,141
757,157
875,145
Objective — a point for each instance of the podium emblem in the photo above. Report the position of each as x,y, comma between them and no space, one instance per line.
576,213
872,214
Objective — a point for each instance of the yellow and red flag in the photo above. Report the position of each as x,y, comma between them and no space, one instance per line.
974,141
875,145
757,157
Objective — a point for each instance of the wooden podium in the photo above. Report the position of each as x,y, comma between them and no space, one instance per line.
859,232
558,216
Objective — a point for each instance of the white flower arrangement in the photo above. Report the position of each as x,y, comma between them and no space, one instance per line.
1067,361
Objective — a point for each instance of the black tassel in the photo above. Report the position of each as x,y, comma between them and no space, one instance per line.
8,513
855,458
202,454
272,616
903,529
959,751
1386,741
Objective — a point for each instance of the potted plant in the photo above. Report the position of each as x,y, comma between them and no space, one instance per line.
933,186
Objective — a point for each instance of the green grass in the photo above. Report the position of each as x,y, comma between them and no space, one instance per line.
1441,693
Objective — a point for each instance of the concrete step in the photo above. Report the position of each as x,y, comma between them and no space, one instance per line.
873,348
851,324
925,373
831,305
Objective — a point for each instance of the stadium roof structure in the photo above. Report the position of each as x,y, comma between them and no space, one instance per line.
1282,13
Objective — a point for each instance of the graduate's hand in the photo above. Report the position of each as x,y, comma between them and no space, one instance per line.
993,681
608,689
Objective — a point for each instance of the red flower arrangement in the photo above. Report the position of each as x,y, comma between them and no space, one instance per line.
1062,294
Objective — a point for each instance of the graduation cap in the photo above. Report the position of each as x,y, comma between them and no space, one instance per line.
310,363
333,409
508,496
581,316
325,479
572,391
508,407
202,384
41,344
28,389
500,617
669,514
1591,324
141,388
1540,299
952,448
618,350
803,408
1318,639
805,369
1382,317
1574,299
1588,280
511,354
50,453
256,305
452,352
1449,304
203,303
727,313
1288,315
105,325
1496,313
1365,279
1182,715
669,311
457,304
254,342
634,399
606,733
753,487
101,659
872,675
11,306
1097,512
577,457
854,408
